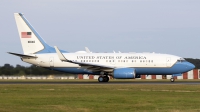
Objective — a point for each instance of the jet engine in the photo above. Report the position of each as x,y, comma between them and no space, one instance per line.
124,73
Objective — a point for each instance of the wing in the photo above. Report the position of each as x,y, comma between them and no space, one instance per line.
89,66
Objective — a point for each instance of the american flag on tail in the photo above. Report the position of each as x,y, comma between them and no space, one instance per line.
25,34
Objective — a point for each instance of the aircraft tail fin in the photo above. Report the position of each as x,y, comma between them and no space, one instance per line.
32,42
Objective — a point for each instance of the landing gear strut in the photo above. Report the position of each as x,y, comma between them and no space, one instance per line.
103,78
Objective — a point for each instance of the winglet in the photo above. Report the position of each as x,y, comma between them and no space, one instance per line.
87,50
60,55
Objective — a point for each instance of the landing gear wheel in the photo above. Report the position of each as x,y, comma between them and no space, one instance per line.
172,79
106,78
101,79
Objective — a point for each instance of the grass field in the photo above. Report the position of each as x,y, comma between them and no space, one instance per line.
95,80
96,98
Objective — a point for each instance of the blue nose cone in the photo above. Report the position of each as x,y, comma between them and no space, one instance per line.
190,66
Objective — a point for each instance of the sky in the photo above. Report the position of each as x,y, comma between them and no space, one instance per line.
161,26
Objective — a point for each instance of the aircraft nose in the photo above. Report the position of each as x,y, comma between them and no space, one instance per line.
190,66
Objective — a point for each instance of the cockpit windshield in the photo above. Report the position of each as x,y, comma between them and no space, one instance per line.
181,60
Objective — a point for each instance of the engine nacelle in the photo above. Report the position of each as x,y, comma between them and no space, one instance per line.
124,73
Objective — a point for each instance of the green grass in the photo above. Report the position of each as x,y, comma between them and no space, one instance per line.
95,98
95,80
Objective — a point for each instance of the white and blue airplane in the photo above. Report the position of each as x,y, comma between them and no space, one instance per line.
118,65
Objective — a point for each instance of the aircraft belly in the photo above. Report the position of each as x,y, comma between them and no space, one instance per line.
175,69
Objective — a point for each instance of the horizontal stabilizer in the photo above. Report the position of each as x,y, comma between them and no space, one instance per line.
22,55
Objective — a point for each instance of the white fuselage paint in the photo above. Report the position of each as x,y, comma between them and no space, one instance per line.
143,60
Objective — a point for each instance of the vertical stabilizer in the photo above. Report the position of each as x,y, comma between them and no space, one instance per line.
31,41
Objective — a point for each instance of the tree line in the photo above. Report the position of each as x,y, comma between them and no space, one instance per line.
196,62
8,69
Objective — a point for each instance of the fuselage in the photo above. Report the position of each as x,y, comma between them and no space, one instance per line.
144,63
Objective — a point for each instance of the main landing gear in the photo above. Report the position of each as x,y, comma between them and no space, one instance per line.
103,78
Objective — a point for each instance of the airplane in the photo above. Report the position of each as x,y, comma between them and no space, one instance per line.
118,65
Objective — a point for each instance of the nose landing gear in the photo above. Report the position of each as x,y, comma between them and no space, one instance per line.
172,79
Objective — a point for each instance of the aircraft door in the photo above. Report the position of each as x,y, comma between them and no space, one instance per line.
168,62
51,62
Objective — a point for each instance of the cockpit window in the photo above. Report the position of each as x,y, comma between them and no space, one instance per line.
181,60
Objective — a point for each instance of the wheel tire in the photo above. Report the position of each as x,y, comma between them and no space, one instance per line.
106,78
101,79
172,79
